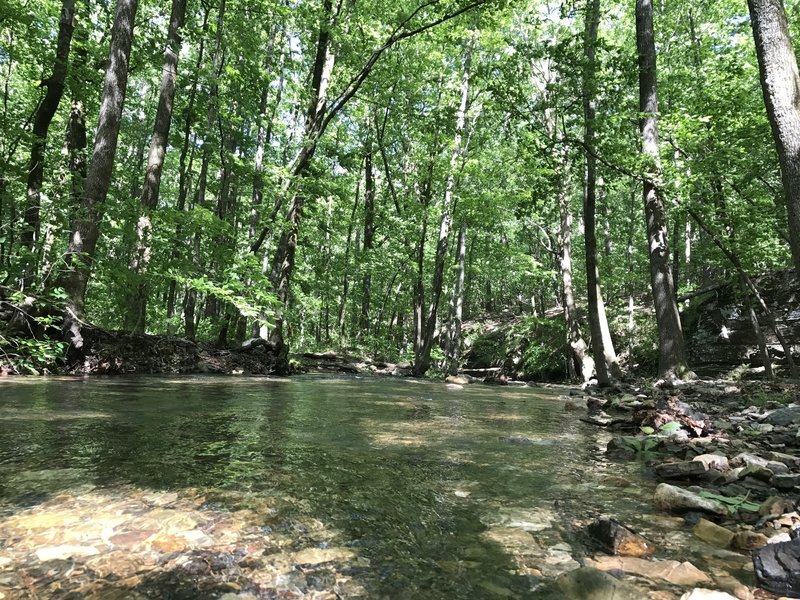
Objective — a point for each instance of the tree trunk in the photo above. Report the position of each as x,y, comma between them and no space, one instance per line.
761,340
137,303
457,305
190,303
184,169
422,359
283,265
86,228
780,85
29,235
578,354
605,357
369,235
671,349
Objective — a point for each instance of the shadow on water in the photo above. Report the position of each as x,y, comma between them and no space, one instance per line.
407,475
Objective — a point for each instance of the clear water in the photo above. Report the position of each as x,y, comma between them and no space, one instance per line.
411,475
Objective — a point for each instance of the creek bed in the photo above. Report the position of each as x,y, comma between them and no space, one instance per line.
310,487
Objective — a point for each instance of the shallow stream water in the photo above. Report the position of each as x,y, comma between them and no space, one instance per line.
318,487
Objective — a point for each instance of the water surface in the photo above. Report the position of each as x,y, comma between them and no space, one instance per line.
438,492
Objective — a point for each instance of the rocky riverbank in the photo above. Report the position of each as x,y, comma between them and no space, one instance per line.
728,459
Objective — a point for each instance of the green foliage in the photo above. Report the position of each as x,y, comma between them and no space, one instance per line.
524,123
733,503
643,448
33,350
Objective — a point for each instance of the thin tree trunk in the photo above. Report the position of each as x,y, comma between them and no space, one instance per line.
422,359
137,304
346,281
780,85
605,357
671,349
190,304
578,353
761,340
86,228
457,305
184,178
369,235
29,236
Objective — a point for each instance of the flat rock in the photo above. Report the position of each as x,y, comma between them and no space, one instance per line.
704,594
593,584
713,461
757,472
670,497
712,533
671,571
681,470
745,459
65,552
776,506
785,481
317,556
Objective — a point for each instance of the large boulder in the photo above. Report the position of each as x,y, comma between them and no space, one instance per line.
778,568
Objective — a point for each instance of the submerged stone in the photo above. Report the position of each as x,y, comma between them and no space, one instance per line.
672,571
592,584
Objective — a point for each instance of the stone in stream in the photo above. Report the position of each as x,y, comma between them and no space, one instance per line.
777,568
681,470
671,571
592,584
704,594
670,497
713,461
786,481
712,533
615,538
749,540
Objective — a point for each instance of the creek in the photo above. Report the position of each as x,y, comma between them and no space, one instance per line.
311,487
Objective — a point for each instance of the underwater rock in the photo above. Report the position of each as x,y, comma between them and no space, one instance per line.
592,584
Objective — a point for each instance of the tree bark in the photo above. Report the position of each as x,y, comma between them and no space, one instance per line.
55,84
86,228
780,85
577,351
283,265
671,348
369,235
422,358
605,357
190,301
137,303
453,349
